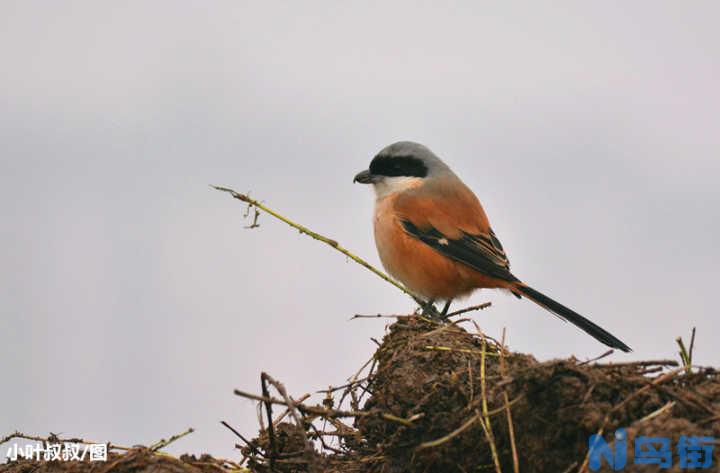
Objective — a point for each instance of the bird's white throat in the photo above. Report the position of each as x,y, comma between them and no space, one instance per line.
390,185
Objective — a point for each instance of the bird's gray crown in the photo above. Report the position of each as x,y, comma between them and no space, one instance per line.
406,158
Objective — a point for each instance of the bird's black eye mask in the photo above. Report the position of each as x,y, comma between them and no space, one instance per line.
394,166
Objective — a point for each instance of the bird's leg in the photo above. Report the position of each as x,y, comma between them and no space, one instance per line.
446,308
428,308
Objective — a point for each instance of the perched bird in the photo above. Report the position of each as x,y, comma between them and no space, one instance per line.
433,235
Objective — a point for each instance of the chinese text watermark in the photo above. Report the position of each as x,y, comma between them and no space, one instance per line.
58,452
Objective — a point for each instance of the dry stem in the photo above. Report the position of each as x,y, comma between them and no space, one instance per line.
487,426
511,429
302,229
162,443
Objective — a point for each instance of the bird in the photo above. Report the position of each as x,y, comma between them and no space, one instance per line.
433,235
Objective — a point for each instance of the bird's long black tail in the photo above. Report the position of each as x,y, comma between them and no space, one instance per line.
570,315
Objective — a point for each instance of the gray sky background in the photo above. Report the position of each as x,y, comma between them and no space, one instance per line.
133,301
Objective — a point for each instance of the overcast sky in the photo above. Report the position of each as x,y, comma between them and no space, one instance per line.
132,299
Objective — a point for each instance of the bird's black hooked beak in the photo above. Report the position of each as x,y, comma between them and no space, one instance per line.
364,177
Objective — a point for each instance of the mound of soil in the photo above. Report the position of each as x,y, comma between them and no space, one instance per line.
443,399
439,398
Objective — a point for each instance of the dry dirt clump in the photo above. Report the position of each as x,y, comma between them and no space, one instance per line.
438,397
443,397
433,377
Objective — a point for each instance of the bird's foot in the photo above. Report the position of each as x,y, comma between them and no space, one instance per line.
446,307
429,310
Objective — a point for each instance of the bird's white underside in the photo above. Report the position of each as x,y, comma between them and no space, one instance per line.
389,185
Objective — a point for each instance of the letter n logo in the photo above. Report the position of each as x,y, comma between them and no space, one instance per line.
599,450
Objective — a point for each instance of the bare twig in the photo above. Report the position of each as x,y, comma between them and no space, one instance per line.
485,421
302,229
385,316
371,362
459,350
440,329
606,354
483,335
365,389
290,402
309,453
704,421
271,427
320,436
247,442
279,418
351,384
470,383
639,363
400,420
477,417
690,399
686,355
692,343
511,429
658,412
314,410
164,443
254,223
437,442
655,369
571,467
321,433
482,306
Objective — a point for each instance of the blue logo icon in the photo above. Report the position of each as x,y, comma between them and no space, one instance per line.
692,451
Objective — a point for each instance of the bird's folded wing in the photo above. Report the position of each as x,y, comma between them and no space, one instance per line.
452,221
482,252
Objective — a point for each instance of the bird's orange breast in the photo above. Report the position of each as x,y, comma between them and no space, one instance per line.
423,270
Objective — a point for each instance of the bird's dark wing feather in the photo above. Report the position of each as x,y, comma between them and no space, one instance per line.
482,252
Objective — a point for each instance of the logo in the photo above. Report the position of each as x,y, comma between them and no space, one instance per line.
690,451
